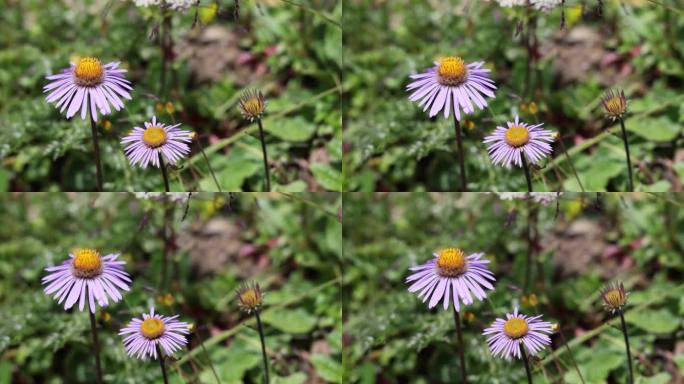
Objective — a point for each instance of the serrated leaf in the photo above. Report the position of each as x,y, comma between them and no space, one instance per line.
654,129
654,321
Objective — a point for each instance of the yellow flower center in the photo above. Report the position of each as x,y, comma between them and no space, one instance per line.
452,71
614,298
517,136
515,328
253,107
152,328
87,263
451,262
250,298
154,136
615,106
89,72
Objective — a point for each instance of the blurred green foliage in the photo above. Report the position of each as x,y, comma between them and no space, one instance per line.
581,244
290,245
392,145
291,52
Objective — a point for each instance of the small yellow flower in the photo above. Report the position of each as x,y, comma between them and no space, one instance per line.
159,107
468,124
192,327
252,104
105,316
193,135
555,327
106,125
166,299
533,108
169,108
468,316
614,297
523,107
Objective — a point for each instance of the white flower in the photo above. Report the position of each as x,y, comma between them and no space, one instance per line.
546,5
511,3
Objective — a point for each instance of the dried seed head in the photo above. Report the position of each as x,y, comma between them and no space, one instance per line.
614,297
252,104
249,297
614,104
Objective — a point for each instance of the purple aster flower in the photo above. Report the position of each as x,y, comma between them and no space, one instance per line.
154,330
508,335
87,274
88,85
451,275
452,82
506,145
146,145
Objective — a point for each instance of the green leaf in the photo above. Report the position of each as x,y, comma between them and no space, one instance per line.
654,129
327,176
289,129
328,368
654,321
661,378
296,378
289,321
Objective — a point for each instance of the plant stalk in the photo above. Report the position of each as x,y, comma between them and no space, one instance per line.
96,149
461,155
629,354
96,345
459,336
527,172
263,347
572,357
164,174
267,170
161,365
211,170
629,161
527,364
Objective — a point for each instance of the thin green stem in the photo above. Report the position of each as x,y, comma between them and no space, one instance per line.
527,364
461,353
96,345
629,161
96,149
572,357
461,155
164,174
263,346
161,364
527,172
211,170
206,354
572,166
267,170
629,354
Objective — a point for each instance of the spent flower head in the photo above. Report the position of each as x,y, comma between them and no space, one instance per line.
252,104
614,104
614,297
250,298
